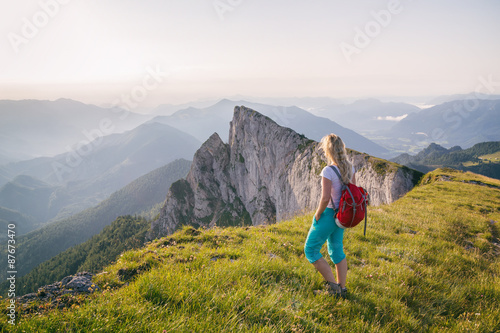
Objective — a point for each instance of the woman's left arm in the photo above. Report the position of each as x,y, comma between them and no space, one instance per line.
326,191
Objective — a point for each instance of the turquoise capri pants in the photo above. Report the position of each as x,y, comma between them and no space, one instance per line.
325,230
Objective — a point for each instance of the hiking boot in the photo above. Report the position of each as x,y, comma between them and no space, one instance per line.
333,289
343,293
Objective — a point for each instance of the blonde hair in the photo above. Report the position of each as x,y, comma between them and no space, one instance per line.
334,149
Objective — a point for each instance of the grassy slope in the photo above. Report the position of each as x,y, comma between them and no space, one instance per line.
491,158
482,158
125,233
427,264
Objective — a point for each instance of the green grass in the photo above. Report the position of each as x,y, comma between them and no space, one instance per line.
491,158
427,264
383,167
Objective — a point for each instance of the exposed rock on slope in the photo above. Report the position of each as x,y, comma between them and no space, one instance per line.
266,173
59,294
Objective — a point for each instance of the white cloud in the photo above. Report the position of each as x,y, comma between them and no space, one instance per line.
391,118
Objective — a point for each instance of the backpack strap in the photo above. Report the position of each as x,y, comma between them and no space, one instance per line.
366,217
338,174
343,185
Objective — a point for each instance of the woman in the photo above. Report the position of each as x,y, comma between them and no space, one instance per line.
324,229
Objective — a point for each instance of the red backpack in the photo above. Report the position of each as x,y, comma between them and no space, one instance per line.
353,205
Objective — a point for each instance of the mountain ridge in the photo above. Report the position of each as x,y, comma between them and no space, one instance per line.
474,159
367,115
33,128
201,123
82,178
264,174
457,123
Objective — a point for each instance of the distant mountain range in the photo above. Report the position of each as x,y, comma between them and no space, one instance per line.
460,97
169,109
24,223
201,123
458,123
482,158
28,196
51,188
34,128
367,115
139,197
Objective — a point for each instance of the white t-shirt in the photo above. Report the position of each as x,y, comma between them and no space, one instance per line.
328,173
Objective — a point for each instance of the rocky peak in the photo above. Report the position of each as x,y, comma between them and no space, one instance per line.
266,173
433,150
262,158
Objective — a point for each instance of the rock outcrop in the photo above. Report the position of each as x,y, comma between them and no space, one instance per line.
264,174
60,294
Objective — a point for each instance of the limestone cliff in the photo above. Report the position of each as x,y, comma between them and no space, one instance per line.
264,174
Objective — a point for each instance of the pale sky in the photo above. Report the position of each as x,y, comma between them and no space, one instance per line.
97,51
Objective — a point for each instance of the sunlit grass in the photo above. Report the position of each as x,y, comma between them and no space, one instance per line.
495,157
492,158
428,263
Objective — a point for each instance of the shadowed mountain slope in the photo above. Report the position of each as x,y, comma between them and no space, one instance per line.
140,196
